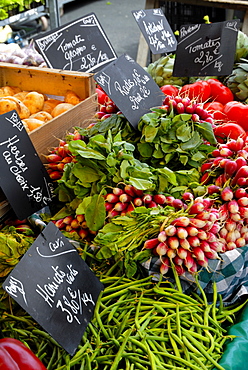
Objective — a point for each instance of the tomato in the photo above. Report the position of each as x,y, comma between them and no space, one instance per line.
199,91
237,112
228,130
220,92
102,96
170,90
216,109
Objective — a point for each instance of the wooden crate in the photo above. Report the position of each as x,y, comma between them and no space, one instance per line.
54,83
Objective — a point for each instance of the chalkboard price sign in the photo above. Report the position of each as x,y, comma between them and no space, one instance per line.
130,87
206,49
156,30
78,46
56,287
23,178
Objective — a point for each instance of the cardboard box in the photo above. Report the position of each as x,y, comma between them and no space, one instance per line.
54,83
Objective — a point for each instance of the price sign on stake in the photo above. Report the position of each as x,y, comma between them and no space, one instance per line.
56,287
206,49
23,178
130,87
156,30
78,46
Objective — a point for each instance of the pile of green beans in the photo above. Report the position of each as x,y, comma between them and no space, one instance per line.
139,324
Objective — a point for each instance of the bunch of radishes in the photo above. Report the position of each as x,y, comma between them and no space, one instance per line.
185,105
233,218
190,240
122,200
75,224
228,163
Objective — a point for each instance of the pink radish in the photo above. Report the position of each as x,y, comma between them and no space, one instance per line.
182,221
227,194
151,243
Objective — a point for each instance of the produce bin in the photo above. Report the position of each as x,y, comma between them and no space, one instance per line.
54,83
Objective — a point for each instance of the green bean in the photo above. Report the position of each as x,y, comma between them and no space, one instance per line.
198,361
121,350
173,342
206,354
179,360
52,358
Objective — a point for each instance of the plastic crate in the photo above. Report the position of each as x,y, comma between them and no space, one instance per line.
178,14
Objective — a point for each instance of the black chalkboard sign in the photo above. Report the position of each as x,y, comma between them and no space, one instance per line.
206,49
78,46
23,178
156,30
130,87
56,287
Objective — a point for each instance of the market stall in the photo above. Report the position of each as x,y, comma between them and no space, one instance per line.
124,245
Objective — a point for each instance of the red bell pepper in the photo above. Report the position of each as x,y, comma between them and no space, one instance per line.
14,355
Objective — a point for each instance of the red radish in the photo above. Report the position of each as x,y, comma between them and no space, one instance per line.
211,189
193,241
162,236
180,270
240,193
123,198
192,231
184,244
230,167
181,252
196,208
147,198
203,262
188,196
182,221
55,175
112,198
119,206
242,172
177,260
189,260
198,253
173,242
212,255
211,237
197,223
233,206
162,249
171,253
225,152
241,161
242,181
68,220
236,217
129,189
137,202
243,201
230,246
170,230
204,215
53,158
151,243
159,199
215,228
177,204
205,246
194,268
223,232
202,235
217,246
152,204
80,218
60,223
227,194
117,191
240,242
113,213
83,233
169,200
75,224
243,212
231,237
181,233
109,206
165,265
138,192
130,208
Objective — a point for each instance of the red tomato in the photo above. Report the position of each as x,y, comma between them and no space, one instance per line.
237,112
228,130
102,96
199,91
170,90
220,92
216,109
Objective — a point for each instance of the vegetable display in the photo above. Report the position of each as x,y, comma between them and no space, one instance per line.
173,191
